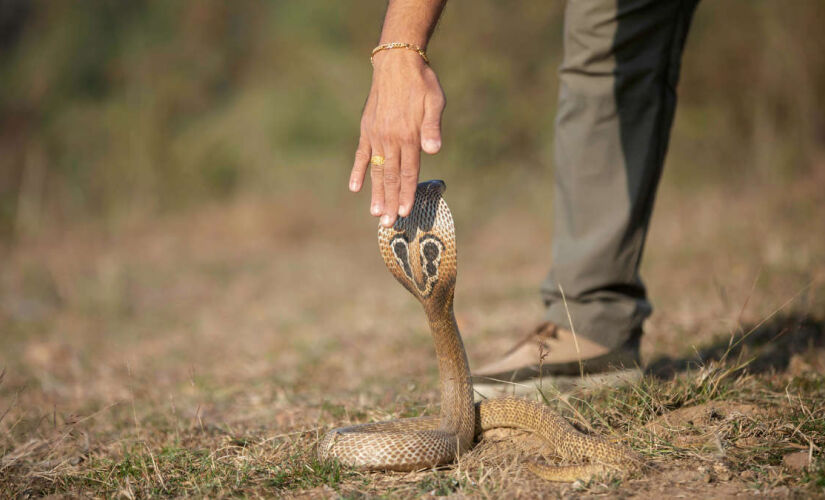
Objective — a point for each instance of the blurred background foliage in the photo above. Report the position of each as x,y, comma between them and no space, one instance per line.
113,109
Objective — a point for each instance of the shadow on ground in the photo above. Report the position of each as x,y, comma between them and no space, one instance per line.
769,346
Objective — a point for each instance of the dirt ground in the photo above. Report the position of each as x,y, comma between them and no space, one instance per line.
204,354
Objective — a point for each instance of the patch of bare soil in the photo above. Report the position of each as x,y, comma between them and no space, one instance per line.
699,426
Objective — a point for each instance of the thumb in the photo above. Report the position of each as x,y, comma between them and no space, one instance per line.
431,125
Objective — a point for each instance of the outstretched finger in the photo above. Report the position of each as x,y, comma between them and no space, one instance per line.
377,181
392,185
410,157
359,167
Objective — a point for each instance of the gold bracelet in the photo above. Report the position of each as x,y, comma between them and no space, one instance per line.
399,45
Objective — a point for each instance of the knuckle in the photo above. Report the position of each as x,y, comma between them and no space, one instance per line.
409,175
392,136
398,134
391,178
403,134
409,137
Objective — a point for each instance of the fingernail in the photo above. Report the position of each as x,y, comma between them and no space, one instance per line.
403,211
353,185
385,220
431,144
375,209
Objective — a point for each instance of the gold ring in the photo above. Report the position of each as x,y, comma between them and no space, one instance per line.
377,160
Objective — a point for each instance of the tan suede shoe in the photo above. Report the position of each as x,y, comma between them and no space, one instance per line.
553,359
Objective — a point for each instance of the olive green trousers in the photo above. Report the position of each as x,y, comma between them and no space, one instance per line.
617,99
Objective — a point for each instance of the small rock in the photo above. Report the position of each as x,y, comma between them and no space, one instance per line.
747,475
797,366
685,475
796,460
779,492
722,472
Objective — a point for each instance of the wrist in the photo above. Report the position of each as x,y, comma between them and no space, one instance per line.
395,60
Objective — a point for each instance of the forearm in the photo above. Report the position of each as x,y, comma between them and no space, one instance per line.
411,21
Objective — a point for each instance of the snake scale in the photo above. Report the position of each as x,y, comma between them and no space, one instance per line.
420,251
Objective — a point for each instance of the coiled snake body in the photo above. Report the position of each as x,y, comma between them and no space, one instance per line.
420,251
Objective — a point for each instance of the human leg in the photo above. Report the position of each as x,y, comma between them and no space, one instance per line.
616,105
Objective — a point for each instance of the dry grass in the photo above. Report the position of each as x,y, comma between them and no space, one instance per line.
203,354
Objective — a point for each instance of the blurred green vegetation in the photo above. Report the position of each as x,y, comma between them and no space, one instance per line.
112,109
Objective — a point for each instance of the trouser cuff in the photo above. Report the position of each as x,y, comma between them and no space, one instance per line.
611,324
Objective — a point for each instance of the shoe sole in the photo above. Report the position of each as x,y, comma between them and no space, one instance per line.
556,384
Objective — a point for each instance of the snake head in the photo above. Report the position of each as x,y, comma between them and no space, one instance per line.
419,249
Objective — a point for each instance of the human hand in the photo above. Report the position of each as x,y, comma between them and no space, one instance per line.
402,116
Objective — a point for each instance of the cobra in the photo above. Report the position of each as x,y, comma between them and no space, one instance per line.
420,251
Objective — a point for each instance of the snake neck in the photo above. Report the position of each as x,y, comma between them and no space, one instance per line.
457,408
